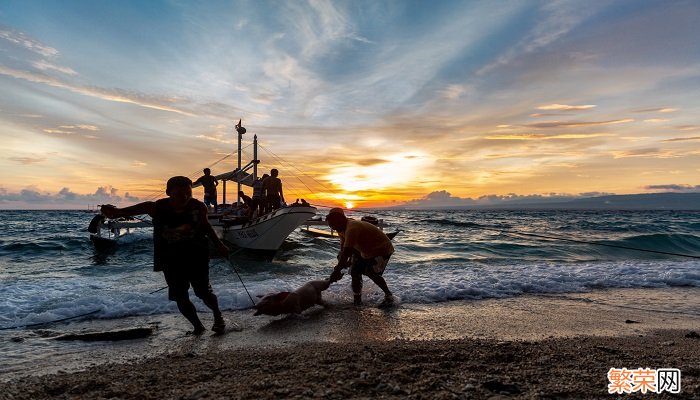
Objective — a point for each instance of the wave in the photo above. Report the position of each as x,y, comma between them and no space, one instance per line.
685,244
42,246
429,281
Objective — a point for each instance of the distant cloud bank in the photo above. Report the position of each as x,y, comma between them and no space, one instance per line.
444,199
64,198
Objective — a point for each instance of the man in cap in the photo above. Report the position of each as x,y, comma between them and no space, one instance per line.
364,248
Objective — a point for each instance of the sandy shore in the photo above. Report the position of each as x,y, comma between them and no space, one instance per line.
525,347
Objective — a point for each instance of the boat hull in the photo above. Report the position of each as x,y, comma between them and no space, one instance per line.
269,231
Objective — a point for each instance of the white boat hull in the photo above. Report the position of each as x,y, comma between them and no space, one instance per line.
269,231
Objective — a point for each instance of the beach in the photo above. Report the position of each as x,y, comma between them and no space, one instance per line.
532,346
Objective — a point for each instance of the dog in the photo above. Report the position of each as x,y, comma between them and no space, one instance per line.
294,302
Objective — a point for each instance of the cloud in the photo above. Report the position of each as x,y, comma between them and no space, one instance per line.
682,139
27,160
577,124
453,92
22,40
674,188
116,95
564,107
555,20
659,110
45,65
64,197
535,136
373,161
688,127
648,153
444,199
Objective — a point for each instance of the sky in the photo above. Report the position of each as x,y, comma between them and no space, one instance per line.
357,103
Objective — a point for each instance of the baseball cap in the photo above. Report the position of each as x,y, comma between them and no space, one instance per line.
334,211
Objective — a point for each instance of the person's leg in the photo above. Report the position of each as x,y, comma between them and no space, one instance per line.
190,312
178,287
356,275
379,281
211,301
203,290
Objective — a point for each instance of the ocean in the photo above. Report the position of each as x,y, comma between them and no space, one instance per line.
50,271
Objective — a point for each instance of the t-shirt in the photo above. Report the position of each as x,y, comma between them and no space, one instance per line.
179,238
366,238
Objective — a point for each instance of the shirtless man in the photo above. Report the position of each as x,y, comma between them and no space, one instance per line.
272,188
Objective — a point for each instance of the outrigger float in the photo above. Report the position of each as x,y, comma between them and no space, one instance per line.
325,233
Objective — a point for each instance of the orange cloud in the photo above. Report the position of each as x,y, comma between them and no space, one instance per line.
565,107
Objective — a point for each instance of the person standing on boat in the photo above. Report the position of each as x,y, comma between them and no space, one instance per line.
258,199
365,249
209,183
180,247
246,202
272,188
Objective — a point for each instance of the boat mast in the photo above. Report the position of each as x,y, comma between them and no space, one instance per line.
255,158
240,131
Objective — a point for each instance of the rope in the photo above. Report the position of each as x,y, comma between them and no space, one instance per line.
241,279
155,194
294,167
52,322
233,264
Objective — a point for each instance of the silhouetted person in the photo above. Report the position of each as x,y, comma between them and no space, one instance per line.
180,247
259,201
209,183
247,203
364,248
272,188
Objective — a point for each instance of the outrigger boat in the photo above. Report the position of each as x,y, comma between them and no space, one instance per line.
264,233
104,233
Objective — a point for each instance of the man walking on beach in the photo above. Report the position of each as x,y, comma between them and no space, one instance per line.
180,247
209,183
365,249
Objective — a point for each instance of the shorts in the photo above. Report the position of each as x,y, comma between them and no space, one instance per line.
180,277
376,265
210,199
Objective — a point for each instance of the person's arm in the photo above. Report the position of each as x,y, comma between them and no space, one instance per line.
343,262
148,207
281,194
220,246
216,182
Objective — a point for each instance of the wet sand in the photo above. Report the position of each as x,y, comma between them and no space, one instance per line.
524,347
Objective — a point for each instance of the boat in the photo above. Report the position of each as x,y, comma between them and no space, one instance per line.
264,233
105,233
325,233
267,232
